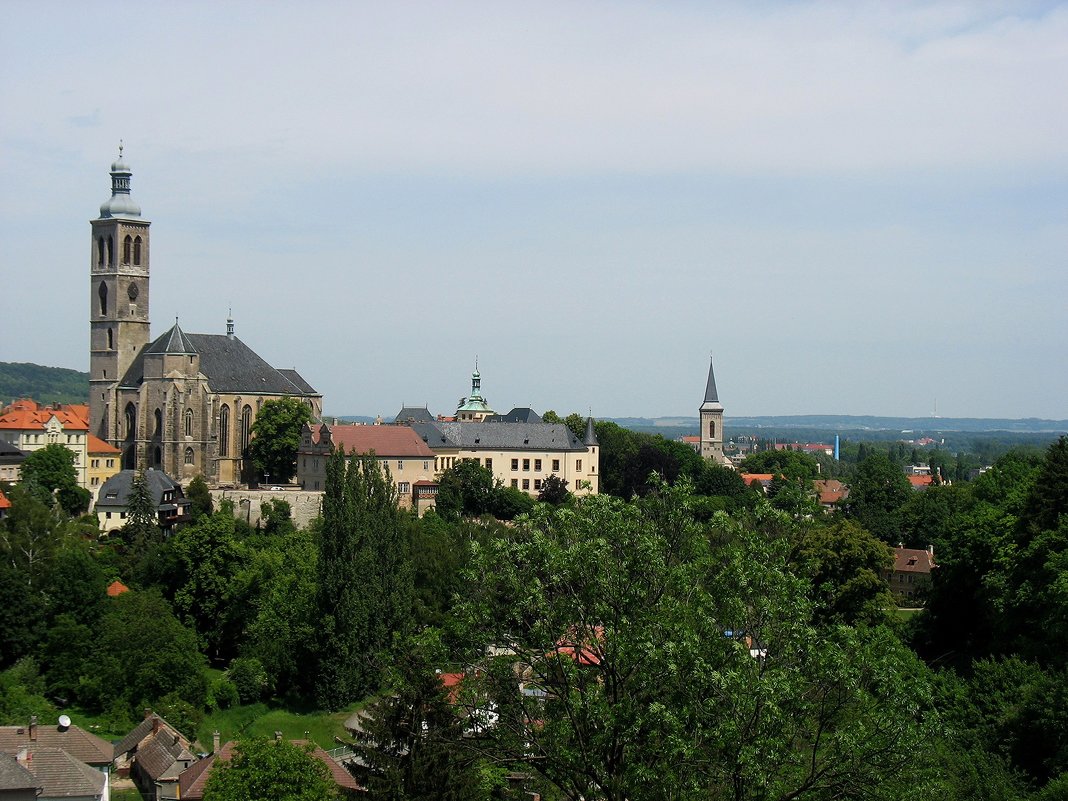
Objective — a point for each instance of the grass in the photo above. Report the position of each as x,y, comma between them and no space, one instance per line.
125,794
259,720
904,615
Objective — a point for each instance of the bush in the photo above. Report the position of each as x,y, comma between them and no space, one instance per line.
224,694
248,676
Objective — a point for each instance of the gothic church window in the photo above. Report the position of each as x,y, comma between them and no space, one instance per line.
189,422
103,294
131,421
101,253
712,428
111,251
111,340
127,246
159,423
189,458
137,251
246,427
224,431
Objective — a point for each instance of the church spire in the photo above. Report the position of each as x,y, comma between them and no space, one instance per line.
120,204
711,396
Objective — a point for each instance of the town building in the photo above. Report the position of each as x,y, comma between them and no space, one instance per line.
11,459
154,754
910,577
181,403
711,414
67,761
30,426
474,408
520,455
398,449
113,497
103,460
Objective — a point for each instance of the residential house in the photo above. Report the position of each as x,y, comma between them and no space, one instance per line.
761,480
104,462
154,754
112,498
830,492
10,462
29,426
398,448
116,588
193,779
910,577
61,777
16,783
38,745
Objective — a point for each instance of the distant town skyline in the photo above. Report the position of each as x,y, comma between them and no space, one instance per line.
858,209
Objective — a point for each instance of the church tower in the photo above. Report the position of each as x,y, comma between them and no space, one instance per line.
712,421
118,299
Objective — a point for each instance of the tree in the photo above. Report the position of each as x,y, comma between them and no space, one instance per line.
22,614
785,462
276,437
876,496
466,489
364,594
554,490
269,769
141,531
657,660
200,498
52,469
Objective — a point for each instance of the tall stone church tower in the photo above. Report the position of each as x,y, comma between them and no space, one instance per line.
712,421
118,299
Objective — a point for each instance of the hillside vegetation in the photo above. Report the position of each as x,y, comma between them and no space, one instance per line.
43,384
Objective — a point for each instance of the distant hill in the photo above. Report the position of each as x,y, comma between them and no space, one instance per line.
838,423
43,384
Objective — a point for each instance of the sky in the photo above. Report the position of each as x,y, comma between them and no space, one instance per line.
854,208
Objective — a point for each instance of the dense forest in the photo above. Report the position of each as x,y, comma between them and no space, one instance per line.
680,636
43,384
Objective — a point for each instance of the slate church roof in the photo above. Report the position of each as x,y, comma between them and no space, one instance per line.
499,436
229,364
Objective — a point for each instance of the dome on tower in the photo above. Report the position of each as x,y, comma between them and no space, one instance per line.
120,204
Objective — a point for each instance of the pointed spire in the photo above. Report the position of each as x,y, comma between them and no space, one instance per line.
230,324
711,396
591,435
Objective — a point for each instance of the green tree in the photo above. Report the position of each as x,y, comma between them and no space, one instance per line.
364,594
788,463
31,534
52,469
200,498
141,531
276,437
22,615
656,660
877,494
466,489
268,769
554,490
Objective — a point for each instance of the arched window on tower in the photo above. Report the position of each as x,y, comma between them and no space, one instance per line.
158,417
224,431
101,252
189,456
189,422
102,293
111,339
111,251
246,427
711,429
127,248
137,251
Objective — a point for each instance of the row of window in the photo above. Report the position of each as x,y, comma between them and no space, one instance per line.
131,250
95,463
187,426
526,483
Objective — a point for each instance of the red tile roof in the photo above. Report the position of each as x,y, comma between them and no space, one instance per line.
4,502
28,414
392,442
117,588
749,478
920,481
97,445
913,560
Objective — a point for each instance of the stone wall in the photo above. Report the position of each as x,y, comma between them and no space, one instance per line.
306,505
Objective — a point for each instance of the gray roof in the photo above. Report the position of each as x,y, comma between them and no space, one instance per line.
116,489
229,364
15,777
711,396
82,745
591,433
414,414
520,414
499,436
9,454
173,341
62,776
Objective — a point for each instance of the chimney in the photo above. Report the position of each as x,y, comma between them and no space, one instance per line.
930,552
148,712
155,724
33,728
215,737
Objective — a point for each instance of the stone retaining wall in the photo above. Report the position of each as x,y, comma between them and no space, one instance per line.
306,505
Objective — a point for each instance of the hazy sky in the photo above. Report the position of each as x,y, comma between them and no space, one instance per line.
857,208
